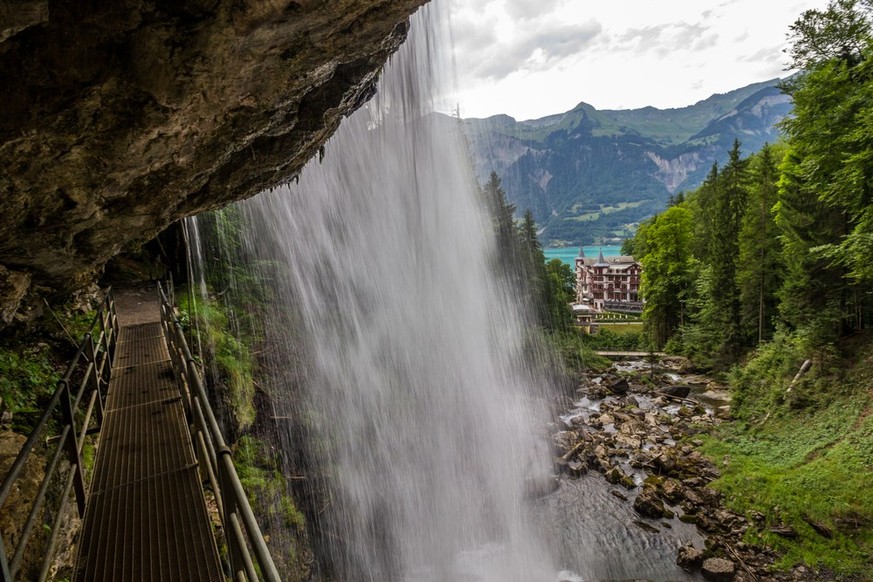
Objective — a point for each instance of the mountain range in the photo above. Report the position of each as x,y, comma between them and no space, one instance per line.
589,176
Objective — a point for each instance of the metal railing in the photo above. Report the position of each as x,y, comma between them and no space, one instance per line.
242,533
76,387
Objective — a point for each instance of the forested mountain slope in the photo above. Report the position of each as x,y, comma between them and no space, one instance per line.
587,174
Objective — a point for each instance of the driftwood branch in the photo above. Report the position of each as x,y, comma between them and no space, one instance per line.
803,370
742,563
677,398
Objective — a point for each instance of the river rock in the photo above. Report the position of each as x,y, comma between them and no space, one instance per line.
719,569
648,504
676,390
673,491
629,441
617,477
576,468
563,441
620,386
689,558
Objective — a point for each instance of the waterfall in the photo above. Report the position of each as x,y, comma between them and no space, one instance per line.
404,349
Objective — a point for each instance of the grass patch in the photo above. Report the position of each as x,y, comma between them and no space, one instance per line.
590,214
621,328
805,464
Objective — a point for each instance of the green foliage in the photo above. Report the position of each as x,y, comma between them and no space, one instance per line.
231,354
270,496
666,279
27,376
760,387
802,465
623,337
759,273
264,483
838,32
32,363
790,245
576,352
560,292
824,209
549,289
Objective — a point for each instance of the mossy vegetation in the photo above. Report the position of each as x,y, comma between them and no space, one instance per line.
33,360
231,355
803,458
269,494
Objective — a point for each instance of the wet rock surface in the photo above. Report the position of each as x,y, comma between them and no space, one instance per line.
120,118
638,429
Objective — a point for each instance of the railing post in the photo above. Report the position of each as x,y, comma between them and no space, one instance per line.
5,575
230,508
104,334
73,447
95,379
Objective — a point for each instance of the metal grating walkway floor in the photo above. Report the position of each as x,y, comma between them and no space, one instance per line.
146,518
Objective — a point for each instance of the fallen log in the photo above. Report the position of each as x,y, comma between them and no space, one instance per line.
803,370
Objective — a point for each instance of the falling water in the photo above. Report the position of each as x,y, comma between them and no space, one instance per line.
415,398
395,362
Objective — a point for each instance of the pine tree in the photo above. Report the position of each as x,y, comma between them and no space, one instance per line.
759,267
824,211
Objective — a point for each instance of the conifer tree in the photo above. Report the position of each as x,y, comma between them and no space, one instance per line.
824,210
759,268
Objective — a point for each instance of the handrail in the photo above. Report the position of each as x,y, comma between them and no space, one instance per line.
65,402
237,518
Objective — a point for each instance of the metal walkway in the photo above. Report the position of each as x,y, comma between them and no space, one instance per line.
146,517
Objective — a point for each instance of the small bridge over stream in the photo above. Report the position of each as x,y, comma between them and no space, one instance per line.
625,354
145,516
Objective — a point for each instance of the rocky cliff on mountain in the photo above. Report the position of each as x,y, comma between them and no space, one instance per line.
589,175
119,118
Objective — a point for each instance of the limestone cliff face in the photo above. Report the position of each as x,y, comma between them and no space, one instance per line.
120,117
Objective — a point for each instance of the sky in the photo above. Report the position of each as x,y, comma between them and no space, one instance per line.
532,58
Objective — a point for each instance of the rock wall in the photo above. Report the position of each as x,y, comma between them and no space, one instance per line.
121,117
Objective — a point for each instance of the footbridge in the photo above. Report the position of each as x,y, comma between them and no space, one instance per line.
626,354
163,501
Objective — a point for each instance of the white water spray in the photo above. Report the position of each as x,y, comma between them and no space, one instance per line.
417,402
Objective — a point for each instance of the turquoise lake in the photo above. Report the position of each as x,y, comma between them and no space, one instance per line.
568,254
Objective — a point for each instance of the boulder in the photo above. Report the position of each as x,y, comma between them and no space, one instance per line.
13,288
689,558
620,386
673,491
617,477
676,390
719,569
648,504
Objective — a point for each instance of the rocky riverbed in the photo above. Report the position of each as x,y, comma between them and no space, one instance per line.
639,426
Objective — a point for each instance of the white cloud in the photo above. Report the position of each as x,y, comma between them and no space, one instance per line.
531,58
530,9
